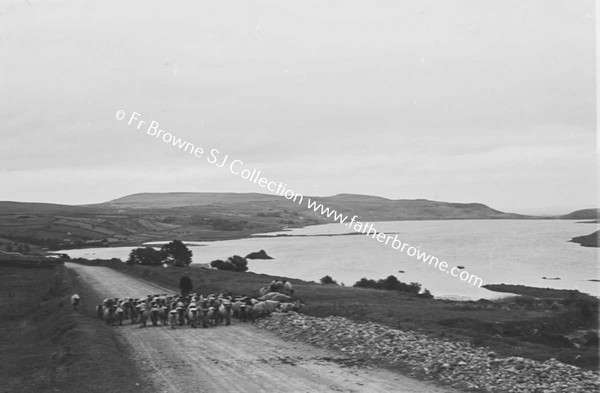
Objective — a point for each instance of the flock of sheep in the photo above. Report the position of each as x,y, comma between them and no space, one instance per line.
197,310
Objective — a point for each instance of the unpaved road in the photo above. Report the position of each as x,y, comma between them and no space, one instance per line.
236,358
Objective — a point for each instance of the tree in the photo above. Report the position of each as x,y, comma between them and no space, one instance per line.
186,286
219,264
366,283
328,280
146,256
240,263
235,264
177,253
391,283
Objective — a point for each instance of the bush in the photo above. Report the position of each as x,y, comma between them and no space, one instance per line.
235,264
426,294
147,256
391,283
328,280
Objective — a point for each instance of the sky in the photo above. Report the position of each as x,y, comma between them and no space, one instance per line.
462,101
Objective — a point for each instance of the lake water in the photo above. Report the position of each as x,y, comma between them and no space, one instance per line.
498,251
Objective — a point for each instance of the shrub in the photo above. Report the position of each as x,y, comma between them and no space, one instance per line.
426,294
235,263
146,256
327,280
391,283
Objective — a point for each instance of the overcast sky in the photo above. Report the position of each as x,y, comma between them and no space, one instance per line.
465,101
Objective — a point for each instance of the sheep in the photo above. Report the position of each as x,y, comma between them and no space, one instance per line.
276,286
162,314
247,313
193,317
212,315
236,308
288,289
264,290
225,312
279,297
109,315
172,318
264,308
75,301
180,314
154,315
195,309
143,314
119,315
205,319
287,307
135,313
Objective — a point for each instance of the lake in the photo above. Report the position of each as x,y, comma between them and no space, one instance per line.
497,251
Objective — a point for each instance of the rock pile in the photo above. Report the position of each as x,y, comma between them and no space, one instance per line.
456,364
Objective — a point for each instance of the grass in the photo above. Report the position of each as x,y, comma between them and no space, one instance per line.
48,347
528,326
56,227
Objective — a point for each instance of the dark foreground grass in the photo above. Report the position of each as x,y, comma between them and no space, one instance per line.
47,347
531,327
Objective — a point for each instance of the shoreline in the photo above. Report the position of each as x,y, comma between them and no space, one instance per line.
190,239
219,248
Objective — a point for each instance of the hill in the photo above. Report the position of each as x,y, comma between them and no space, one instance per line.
184,199
8,207
372,208
138,218
368,207
584,214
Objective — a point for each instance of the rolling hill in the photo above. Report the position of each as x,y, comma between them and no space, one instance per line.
584,214
138,218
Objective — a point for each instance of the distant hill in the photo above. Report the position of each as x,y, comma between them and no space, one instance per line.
365,206
379,209
185,199
139,218
585,214
38,208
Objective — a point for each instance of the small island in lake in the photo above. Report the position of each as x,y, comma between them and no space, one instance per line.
258,255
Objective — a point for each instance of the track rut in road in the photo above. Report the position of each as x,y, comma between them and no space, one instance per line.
235,358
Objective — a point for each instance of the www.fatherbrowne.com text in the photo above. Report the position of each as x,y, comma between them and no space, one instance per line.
253,175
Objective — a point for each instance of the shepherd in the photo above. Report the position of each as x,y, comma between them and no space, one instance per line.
185,285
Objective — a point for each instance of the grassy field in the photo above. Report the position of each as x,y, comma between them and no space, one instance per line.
47,347
61,227
527,326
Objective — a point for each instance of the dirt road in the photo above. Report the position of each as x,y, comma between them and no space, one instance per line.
236,358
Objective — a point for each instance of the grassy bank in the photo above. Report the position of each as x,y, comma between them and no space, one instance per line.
527,326
47,347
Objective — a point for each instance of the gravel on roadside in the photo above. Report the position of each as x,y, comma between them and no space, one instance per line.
456,364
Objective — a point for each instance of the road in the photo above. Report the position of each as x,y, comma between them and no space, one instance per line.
236,358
